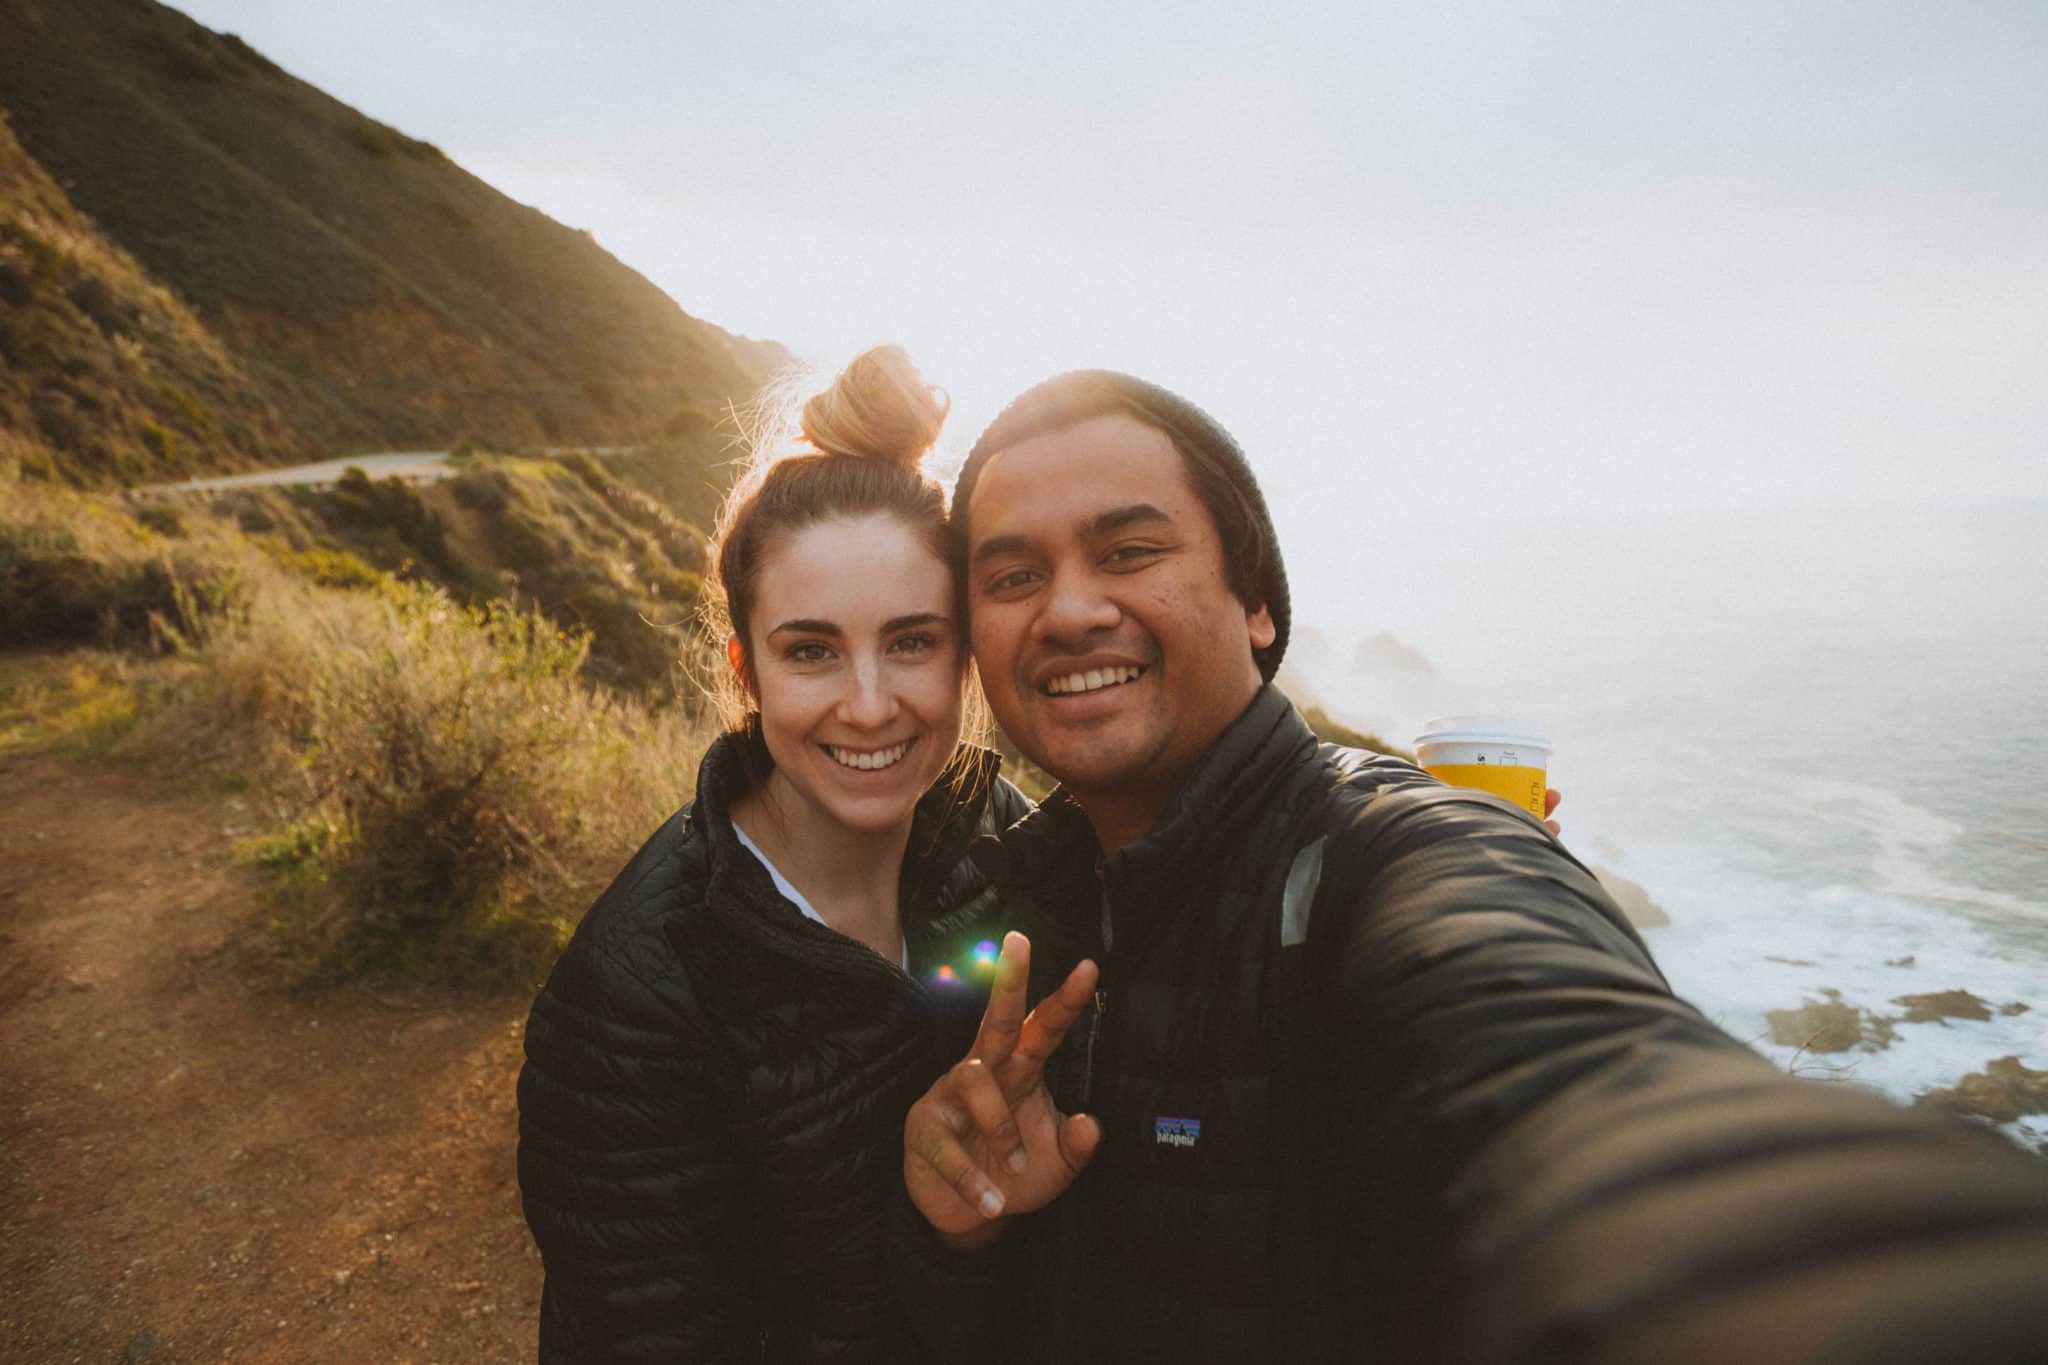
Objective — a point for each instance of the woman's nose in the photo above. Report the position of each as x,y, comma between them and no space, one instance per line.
870,701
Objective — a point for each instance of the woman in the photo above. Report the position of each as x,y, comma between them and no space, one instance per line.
718,1067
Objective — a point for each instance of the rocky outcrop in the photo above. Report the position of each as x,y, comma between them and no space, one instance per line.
1634,901
1388,653
1939,1005
2002,1092
1830,1024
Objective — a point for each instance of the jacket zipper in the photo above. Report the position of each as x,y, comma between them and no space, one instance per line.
1081,1273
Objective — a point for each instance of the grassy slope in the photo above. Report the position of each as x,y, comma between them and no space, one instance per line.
104,375
381,295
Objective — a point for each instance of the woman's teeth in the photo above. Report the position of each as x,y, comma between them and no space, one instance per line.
1090,681
866,762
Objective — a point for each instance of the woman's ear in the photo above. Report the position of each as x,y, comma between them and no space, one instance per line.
736,656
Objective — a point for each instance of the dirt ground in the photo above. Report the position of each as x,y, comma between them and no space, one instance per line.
195,1166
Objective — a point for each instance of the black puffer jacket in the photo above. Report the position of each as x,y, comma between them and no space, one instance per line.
1465,1120
711,1110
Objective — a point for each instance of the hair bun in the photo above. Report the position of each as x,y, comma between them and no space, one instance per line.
878,408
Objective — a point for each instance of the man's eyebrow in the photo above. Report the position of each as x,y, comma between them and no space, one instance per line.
808,626
919,618
1119,517
1001,545
1115,519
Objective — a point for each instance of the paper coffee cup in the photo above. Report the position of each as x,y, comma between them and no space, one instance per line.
1509,758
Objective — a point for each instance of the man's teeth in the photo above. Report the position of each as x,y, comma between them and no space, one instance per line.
1090,681
876,758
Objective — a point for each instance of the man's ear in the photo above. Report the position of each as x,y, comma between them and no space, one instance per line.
1260,624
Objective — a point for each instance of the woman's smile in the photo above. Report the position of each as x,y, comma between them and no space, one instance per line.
868,760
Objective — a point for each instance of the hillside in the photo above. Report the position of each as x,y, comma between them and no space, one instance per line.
374,293
103,374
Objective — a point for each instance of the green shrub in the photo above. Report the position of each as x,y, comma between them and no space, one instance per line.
74,570
455,793
332,567
84,701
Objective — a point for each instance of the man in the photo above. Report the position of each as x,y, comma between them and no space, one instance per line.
1361,1067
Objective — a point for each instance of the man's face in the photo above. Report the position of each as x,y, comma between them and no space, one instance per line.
1111,646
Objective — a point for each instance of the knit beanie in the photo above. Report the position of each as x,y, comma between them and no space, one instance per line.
1215,467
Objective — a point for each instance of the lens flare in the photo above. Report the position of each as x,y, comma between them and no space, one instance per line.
985,954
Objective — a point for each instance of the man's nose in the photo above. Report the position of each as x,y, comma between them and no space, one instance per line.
870,701
1075,608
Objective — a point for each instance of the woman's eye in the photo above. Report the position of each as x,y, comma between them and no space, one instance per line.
808,652
914,644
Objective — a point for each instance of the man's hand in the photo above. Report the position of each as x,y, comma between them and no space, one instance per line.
1551,796
986,1140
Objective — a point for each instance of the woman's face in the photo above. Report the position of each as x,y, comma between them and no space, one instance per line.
857,668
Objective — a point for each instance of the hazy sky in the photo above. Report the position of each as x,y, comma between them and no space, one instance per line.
1523,259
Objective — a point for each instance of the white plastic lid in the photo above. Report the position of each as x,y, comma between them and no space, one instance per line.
1483,730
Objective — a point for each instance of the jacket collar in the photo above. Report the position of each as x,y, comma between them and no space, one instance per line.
1232,784
945,821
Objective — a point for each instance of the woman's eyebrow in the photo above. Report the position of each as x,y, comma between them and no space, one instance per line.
808,626
922,618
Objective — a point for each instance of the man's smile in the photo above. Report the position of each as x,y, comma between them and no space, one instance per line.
1091,680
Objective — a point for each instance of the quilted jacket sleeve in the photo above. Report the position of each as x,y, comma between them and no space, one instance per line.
643,1219
1542,1154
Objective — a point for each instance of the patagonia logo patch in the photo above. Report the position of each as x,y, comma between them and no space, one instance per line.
1169,1132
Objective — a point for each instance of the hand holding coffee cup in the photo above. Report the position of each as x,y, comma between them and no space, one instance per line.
1510,758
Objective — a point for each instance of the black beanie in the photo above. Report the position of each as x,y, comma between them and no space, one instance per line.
1215,467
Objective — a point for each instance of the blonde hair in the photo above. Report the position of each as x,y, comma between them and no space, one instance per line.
861,452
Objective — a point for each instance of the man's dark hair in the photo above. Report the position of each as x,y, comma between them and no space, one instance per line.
1215,465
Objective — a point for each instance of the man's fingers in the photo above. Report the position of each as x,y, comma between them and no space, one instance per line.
1047,1026
1004,1017
974,1084
928,1142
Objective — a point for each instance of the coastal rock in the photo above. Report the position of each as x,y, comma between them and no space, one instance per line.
1388,653
1635,902
2002,1092
1830,1025
1936,1006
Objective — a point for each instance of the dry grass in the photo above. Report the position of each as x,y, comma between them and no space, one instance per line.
446,790
449,792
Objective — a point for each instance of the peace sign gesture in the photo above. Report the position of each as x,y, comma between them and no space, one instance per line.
986,1141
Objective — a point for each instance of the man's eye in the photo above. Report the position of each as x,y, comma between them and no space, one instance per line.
1011,579
1127,555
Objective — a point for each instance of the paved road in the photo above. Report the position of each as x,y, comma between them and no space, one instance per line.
421,465
405,464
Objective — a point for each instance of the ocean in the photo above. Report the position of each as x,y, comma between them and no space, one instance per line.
1818,737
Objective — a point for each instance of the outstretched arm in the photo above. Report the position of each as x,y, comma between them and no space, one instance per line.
1545,1155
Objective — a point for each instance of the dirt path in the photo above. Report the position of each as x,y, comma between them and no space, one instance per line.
195,1167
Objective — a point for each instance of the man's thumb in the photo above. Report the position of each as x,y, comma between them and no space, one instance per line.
1079,1136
